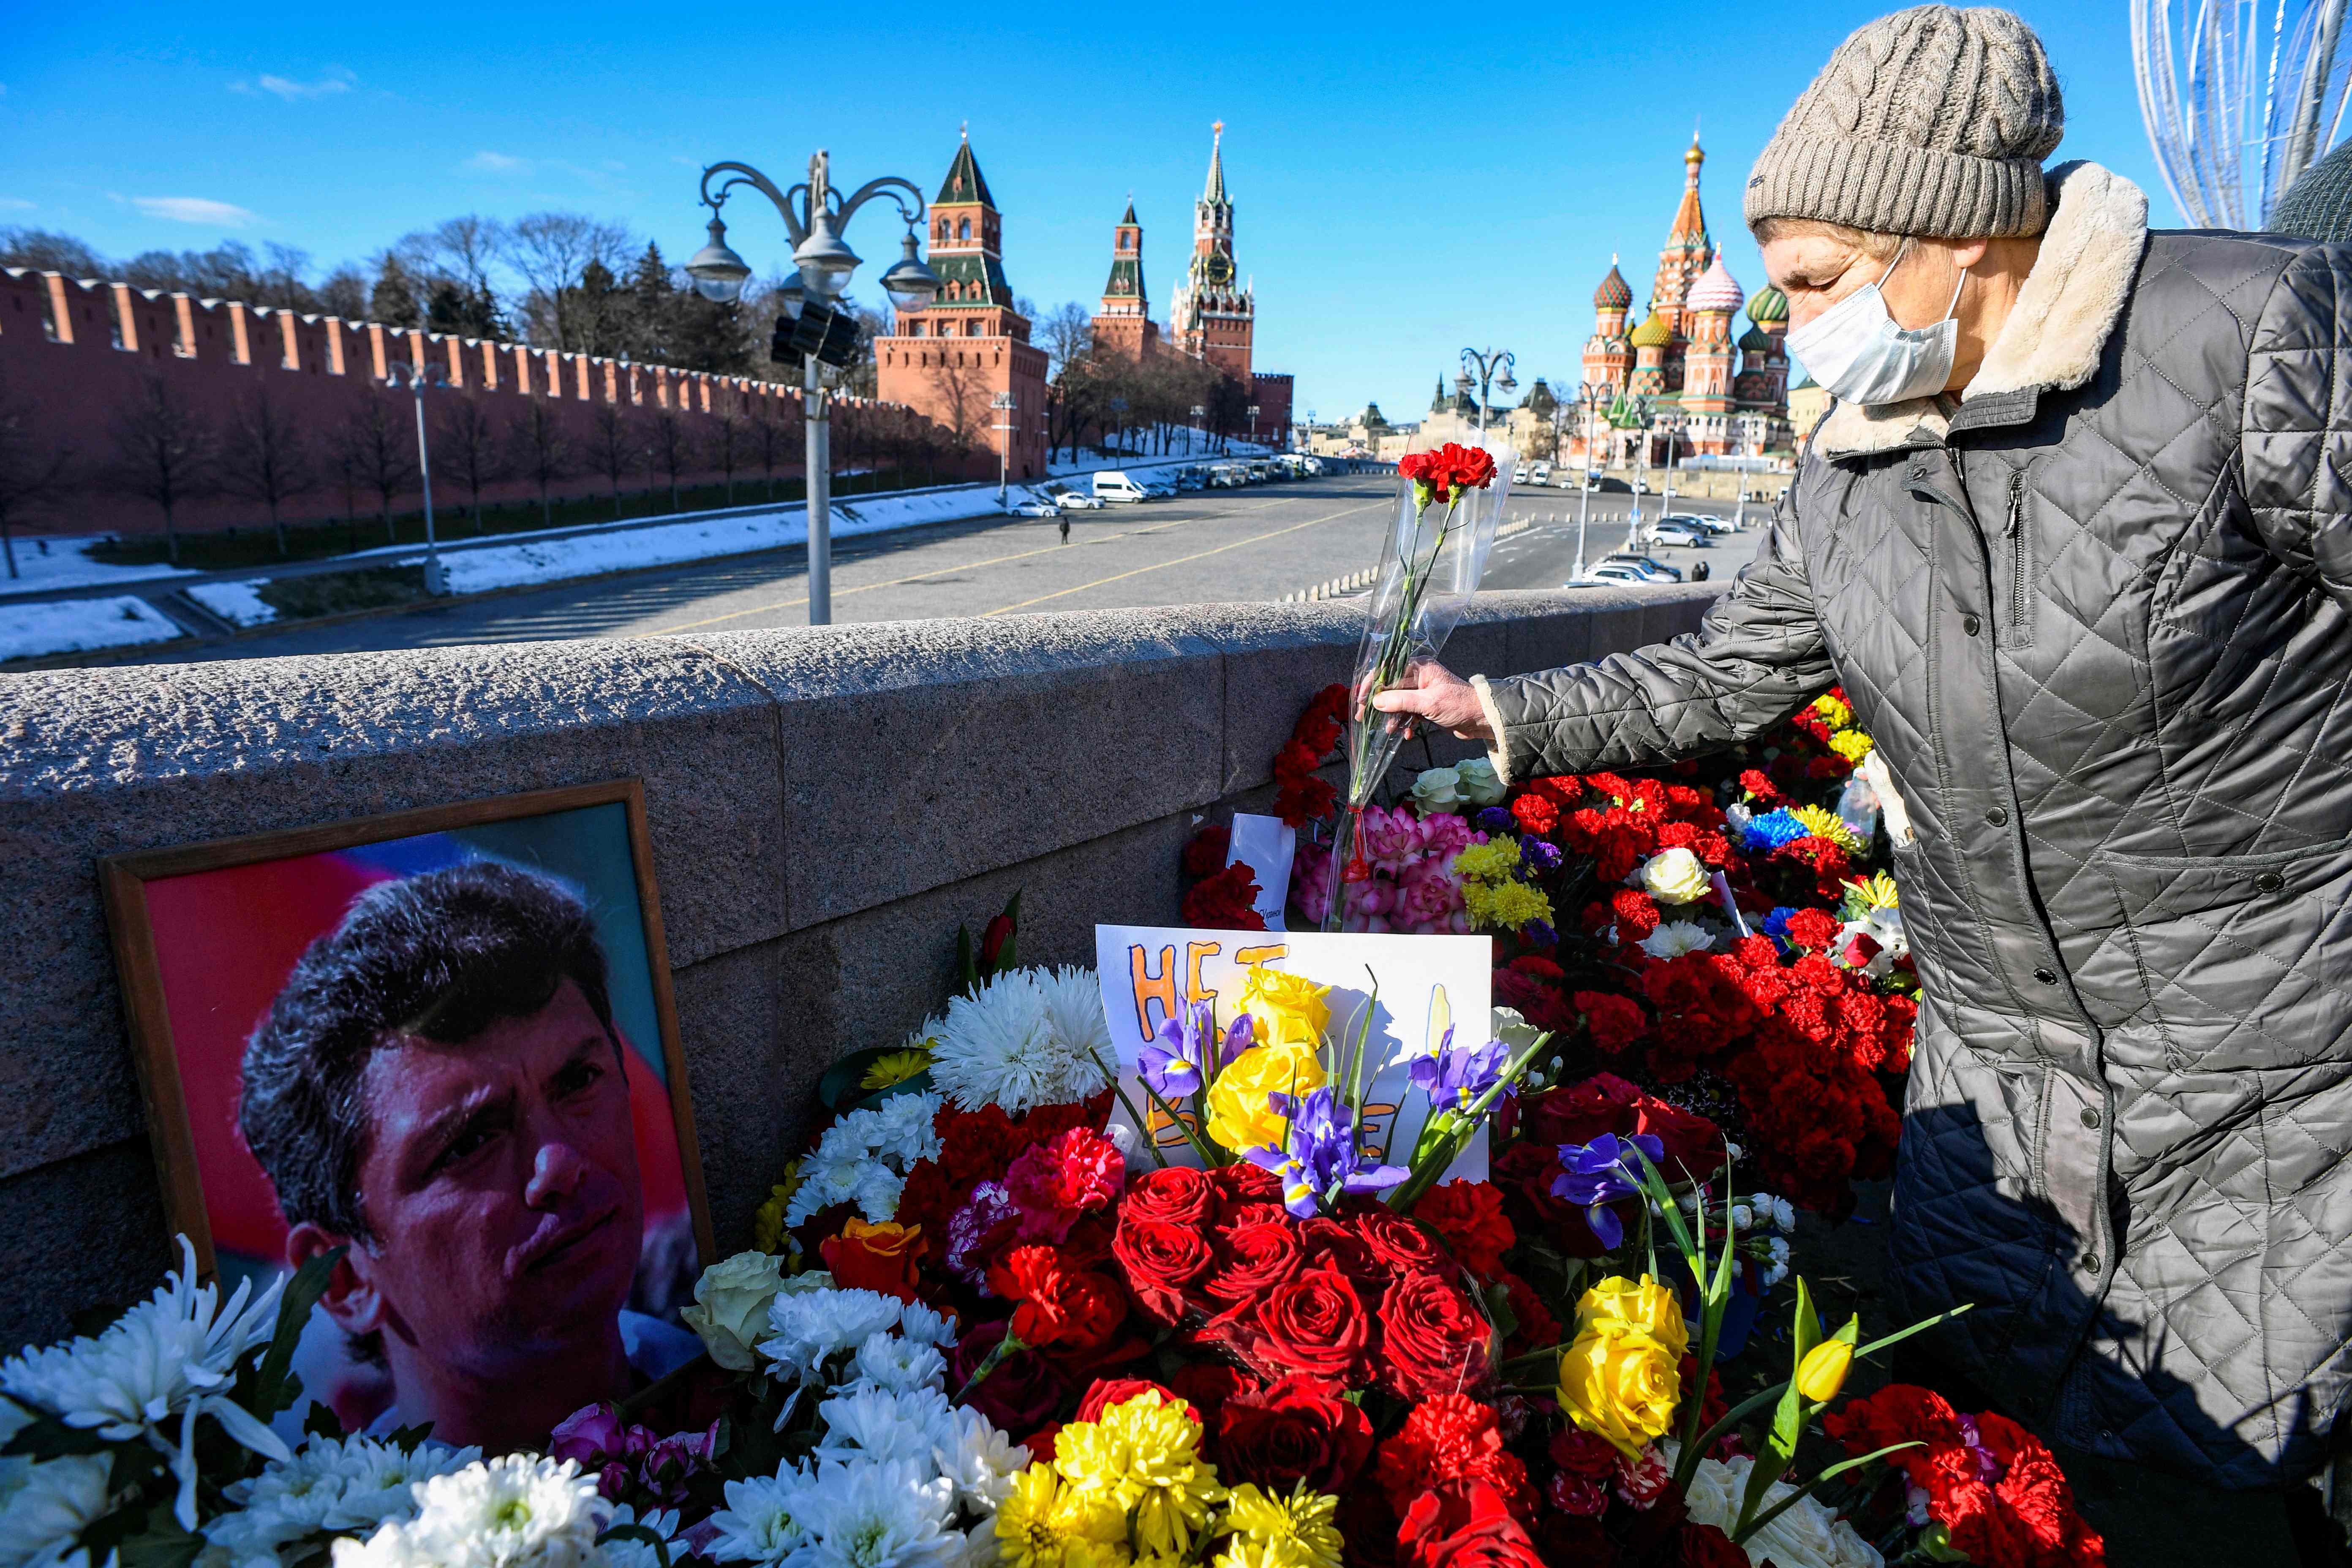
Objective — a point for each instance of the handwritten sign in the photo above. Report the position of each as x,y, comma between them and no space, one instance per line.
1425,984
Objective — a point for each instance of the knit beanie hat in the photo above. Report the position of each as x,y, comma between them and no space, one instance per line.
1933,121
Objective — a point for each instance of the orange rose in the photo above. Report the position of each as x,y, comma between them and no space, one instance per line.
874,1258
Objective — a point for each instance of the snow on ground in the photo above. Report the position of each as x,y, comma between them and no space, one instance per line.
238,604
81,625
46,565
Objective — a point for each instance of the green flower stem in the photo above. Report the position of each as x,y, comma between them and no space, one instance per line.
1406,1194
1785,1504
1142,1124
1003,1347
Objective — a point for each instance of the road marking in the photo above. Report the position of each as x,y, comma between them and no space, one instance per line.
966,567
1200,555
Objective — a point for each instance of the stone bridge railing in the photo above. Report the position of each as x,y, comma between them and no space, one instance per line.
826,807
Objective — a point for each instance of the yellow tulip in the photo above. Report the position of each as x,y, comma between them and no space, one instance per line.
1822,1371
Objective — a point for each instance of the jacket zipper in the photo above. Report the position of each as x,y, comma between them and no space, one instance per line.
2020,564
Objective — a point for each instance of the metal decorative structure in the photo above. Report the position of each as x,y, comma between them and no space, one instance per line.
2239,98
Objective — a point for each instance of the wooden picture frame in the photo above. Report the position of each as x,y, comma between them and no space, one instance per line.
125,880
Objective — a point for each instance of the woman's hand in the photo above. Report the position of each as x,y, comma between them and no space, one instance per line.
1435,694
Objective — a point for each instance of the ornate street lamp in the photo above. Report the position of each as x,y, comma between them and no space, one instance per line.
436,581
814,215
1589,397
1493,372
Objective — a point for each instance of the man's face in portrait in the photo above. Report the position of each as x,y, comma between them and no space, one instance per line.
500,1189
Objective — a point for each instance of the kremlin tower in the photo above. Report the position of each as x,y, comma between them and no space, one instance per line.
1124,324
1215,315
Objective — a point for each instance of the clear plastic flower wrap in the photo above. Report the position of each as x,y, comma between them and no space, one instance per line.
1448,503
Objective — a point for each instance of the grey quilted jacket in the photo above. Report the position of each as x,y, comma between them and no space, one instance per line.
2098,614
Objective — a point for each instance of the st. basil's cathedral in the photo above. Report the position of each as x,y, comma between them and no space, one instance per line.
1708,395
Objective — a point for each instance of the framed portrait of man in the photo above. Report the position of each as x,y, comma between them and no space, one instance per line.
444,1042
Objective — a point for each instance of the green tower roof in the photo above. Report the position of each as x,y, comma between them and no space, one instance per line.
1768,305
964,182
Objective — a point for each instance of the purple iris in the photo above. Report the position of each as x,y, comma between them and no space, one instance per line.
1182,1057
1599,1173
1455,1076
1322,1153
1538,856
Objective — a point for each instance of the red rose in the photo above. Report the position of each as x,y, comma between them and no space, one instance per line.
1536,1329
1469,1215
1158,1260
1313,1324
1107,1391
1399,1244
1253,1259
1563,1538
1433,1339
1205,1386
1296,1429
1247,1183
1173,1194
1525,1172
1336,1243
1705,1546
1463,1526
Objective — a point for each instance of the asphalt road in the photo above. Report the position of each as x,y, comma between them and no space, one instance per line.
1254,544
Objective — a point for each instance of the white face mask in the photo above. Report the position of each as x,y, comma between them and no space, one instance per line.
1856,351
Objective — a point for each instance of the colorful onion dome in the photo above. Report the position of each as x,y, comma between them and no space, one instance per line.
1716,290
1769,306
1757,341
1614,293
1652,333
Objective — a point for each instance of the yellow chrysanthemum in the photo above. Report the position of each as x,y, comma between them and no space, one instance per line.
1828,825
1504,906
767,1220
1852,744
1295,1532
895,1067
1877,891
1145,1456
1833,711
1289,1010
1492,861
1240,1114
1046,1524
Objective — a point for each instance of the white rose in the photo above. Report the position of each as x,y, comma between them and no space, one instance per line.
730,1306
1480,783
1676,877
1807,1535
1437,789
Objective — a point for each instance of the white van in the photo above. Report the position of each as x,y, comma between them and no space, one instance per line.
1111,484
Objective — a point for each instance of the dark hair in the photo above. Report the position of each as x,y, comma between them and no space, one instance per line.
443,955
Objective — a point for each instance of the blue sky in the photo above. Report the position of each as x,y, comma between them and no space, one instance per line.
1400,189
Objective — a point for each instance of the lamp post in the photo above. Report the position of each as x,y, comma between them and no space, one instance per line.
1645,415
1589,396
1492,372
814,214
1253,423
1003,403
436,582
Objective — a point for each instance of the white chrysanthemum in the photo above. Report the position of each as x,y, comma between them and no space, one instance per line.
1073,1007
762,1519
45,1507
174,1354
876,1195
1674,938
981,1549
829,1176
906,1132
810,1326
886,1361
878,1426
523,1510
879,1516
980,1459
624,1552
925,1324
1033,1037
349,1484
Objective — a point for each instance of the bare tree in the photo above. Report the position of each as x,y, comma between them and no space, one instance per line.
382,447
964,394
468,447
1067,334
542,451
673,446
613,446
729,442
771,438
264,457
33,472
164,452
551,250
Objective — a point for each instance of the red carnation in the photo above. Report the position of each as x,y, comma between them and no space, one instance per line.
1535,814
1205,851
1617,1023
1469,1216
1468,1526
1452,1438
1226,901
1812,927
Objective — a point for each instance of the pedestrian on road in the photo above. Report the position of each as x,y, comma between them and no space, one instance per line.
1702,571
1066,528
2077,542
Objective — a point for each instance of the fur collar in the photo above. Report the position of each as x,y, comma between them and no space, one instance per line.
2069,304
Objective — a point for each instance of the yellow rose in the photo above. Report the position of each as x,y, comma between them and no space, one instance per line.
1620,1382
1648,1306
1240,1115
1289,1008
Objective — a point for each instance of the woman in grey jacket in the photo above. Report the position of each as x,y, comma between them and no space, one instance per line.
2077,542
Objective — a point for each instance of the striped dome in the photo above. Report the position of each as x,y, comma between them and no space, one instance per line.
1652,333
1769,306
1716,290
1614,293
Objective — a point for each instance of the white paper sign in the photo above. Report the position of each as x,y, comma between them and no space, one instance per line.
1149,973
1265,844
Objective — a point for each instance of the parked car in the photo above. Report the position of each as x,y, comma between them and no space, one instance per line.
1602,484
1115,484
1700,520
1227,477
1539,474
1519,475
1077,500
1683,534
1610,571
1658,571
1032,507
